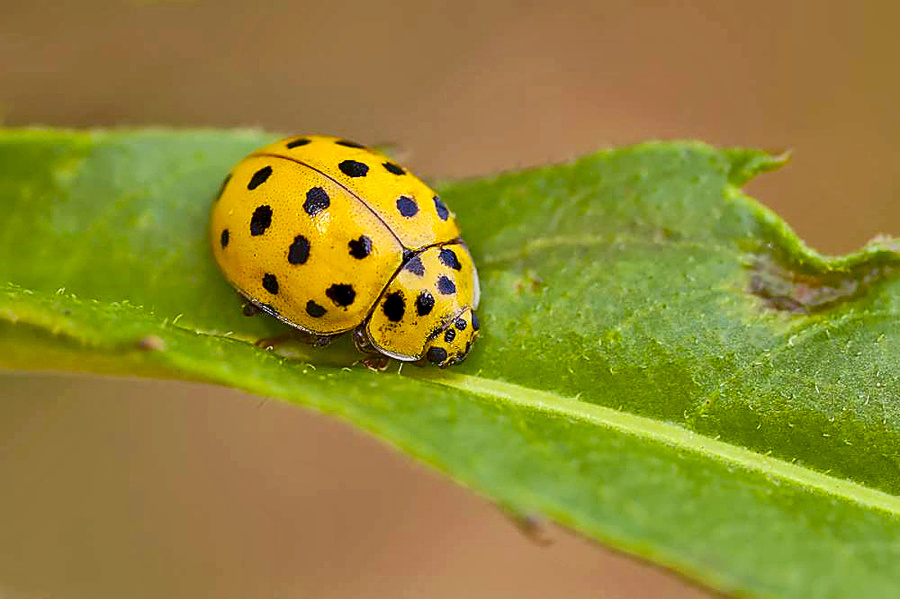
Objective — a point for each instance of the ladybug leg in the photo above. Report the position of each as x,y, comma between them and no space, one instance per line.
248,308
315,340
296,335
273,342
362,343
251,309
377,363
373,360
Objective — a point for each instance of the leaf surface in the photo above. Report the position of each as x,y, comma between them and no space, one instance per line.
664,366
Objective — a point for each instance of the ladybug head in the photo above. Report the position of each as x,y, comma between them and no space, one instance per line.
452,344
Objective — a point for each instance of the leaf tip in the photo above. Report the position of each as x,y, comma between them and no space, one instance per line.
746,164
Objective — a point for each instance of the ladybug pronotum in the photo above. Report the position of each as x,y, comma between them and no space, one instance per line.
329,236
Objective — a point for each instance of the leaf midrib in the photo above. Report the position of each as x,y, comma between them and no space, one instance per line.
666,433
641,427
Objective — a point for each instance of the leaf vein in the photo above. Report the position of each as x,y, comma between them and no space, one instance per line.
667,434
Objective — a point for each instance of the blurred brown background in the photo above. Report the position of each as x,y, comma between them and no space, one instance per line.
156,489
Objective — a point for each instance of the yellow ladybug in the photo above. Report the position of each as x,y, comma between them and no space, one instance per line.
330,236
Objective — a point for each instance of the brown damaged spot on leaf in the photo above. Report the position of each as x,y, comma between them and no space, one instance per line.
798,292
530,282
151,343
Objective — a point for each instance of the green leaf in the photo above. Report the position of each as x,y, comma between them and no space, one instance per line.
664,366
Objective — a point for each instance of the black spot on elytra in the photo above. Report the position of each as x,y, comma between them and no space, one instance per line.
316,201
461,324
360,248
442,211
424,303
445,285
349,144
394,169
259,177
298,253
261,219
352,168
314,309
394,306
415,266
475,323
450,335
270,283
223,186
223,238
407,206
342,295
436,355
448,257
297,143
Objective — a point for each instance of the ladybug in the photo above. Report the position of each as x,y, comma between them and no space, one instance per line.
329,237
